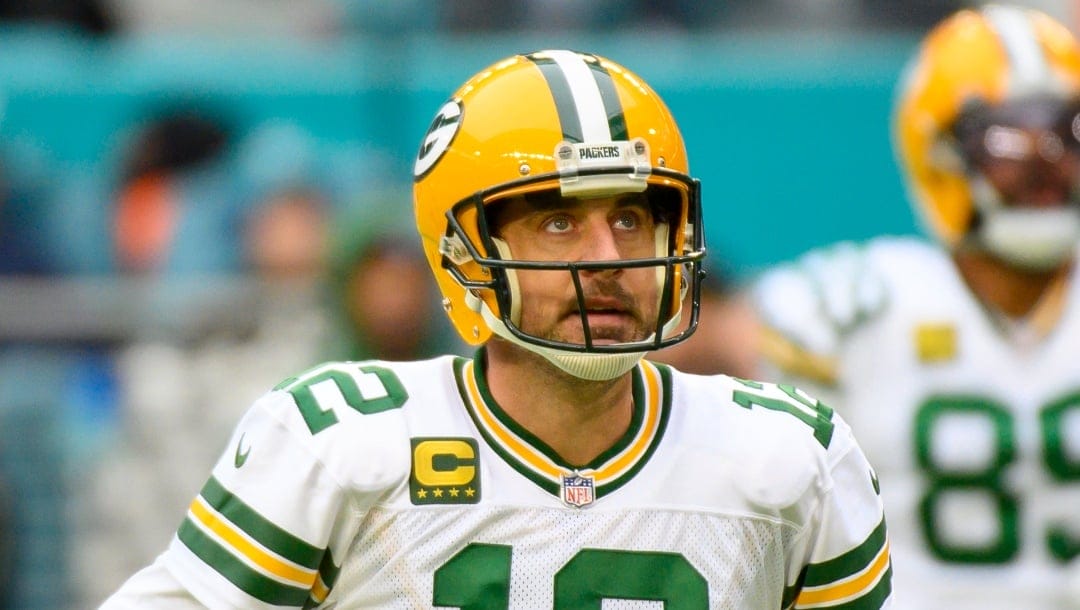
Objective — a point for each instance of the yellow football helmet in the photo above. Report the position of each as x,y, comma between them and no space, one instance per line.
1020,64
562,121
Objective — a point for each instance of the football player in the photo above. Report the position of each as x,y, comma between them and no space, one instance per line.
557,468
958,363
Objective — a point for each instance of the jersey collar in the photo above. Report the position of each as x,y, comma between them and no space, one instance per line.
538,462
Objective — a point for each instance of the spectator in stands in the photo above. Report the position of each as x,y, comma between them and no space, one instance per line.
180,382
386,304
177,206
285,235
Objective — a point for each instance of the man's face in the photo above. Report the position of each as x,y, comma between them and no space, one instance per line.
1030,166
621,304
1028,149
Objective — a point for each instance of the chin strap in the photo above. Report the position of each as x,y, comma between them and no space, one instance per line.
1032,238
592,367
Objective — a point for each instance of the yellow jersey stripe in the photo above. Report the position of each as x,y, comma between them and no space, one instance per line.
319,591
542,463
647,432
526,453
794,359
842,591
271,564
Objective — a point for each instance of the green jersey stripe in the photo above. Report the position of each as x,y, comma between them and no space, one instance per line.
637,421
652,408
665,413
540,480
328,570
324,581
260,528
872,600
507,421
791,592
849,563
246,578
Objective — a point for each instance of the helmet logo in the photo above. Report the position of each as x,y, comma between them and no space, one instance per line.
438,138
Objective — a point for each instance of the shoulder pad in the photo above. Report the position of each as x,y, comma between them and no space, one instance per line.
807,307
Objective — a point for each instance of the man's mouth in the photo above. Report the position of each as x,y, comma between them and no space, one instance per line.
602,309
607,319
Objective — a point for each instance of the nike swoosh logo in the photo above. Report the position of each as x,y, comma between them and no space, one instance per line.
241,456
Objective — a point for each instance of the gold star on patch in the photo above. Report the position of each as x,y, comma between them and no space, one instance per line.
454,492
469,491
437,493
422,493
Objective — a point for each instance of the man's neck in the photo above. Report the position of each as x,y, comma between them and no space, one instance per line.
579,419
1002,287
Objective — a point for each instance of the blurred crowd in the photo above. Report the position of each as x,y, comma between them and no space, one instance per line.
331,17
224,262
142,311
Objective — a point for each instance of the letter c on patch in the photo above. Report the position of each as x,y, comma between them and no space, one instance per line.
425,454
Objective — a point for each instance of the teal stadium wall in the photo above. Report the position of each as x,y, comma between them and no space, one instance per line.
788,132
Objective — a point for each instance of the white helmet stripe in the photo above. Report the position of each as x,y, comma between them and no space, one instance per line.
1029,72
584,94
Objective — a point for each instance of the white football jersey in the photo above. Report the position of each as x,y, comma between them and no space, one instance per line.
403,485
972,420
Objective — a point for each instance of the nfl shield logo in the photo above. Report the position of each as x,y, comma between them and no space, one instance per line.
577,490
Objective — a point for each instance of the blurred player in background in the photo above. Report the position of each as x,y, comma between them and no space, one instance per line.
958,364
557,468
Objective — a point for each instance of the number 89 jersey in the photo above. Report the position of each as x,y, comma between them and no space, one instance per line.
973,423
403,485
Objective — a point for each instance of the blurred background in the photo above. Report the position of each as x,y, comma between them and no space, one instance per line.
199,198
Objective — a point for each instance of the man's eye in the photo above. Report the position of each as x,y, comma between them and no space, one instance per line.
559,224
627,221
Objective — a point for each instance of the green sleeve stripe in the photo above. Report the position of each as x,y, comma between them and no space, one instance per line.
324,582
849,563
328,571
873,600
239,573
258,527
792,592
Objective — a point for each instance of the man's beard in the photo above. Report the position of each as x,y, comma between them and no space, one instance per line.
604,296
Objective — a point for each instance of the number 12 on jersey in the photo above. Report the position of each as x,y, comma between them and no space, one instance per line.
478,578
808,411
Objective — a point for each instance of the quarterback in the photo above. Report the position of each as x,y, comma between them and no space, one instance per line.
557,468
958,363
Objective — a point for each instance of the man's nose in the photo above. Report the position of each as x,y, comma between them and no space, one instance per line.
600,243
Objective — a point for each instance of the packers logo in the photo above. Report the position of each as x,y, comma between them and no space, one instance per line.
444,471
438,138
